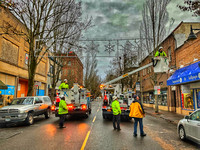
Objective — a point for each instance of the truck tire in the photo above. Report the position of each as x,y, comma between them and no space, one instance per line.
29,120
47,114
104,117
86,115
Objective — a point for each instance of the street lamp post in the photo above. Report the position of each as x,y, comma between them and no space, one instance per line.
192,36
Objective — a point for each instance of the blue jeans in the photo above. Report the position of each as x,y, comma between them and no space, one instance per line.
141,126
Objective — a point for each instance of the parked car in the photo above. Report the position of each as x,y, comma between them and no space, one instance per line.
24,109
189,127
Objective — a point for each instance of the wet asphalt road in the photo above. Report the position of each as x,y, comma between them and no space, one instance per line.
93,133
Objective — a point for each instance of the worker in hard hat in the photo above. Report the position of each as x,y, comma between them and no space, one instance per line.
116,113
62,111
160,52
64,85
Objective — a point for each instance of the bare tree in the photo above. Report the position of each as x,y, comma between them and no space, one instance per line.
68,39
124,63
92,80
153,30
41,19
192,6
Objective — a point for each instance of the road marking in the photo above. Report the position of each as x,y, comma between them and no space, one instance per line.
97,110
94,119
85,141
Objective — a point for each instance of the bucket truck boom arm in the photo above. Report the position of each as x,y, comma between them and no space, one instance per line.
129,73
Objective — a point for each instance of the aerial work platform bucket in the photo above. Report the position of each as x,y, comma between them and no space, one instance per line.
161,64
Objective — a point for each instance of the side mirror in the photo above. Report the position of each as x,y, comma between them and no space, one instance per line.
187,117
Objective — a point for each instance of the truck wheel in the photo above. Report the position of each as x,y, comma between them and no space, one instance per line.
47,114
104,117
29,120
86,115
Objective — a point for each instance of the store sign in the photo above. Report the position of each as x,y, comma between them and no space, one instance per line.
38,83
187,74
137,86
157,90
182,100
156,87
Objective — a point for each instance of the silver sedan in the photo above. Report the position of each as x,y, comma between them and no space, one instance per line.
189,127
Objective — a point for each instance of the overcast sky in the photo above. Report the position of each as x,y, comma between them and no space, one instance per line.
121,19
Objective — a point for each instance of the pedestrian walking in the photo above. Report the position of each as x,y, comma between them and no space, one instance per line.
62,111
116,113
137,112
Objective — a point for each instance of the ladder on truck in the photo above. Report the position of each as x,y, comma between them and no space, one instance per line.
160,65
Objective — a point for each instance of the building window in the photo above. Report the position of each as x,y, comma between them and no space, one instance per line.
169,54
51,69
69,63
187,97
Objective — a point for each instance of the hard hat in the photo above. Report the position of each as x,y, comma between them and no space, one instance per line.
65,79
62,97
160,48
114,97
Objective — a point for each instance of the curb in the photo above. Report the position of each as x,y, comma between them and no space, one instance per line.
157,116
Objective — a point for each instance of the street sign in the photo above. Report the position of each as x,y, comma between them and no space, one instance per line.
157,90
156,87
137,86
38,83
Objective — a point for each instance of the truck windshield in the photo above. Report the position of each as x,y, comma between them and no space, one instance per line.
22,101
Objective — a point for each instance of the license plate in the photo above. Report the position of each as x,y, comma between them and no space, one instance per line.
7,119
108,110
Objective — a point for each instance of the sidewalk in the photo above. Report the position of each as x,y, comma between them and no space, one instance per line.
171,117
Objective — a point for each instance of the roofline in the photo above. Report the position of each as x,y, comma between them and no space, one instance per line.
182,22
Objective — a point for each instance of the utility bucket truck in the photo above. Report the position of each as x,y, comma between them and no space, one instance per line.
78,101
124,100
109,89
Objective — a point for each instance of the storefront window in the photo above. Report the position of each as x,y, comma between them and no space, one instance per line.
187,100
198,98
162,98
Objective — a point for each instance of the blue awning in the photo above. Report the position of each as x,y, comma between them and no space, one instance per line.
187,74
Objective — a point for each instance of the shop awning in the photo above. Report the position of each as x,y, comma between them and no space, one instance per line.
186,74
2,85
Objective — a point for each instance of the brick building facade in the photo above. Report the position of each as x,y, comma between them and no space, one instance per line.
73,70
169,98
14,52
187,88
